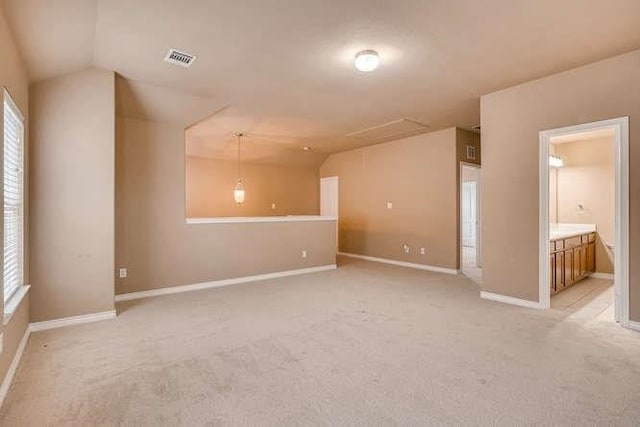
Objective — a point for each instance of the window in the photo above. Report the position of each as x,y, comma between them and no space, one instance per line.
13,197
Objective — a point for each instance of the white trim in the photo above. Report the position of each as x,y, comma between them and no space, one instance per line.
402,263
605,276
635,326
235,219
509,300
219,283
621,267
14,302
8,377
7,97
73,320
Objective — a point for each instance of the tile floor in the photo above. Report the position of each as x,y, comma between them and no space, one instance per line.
589,299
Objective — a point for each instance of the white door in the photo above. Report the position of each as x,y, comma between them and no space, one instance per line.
329,196
329,200
469,217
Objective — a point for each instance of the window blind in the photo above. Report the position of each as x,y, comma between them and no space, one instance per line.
13,197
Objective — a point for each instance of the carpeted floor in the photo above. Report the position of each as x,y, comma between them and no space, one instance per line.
366,344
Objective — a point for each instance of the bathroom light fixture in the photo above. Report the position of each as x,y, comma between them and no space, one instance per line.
555,161
239,191
306,148
367,60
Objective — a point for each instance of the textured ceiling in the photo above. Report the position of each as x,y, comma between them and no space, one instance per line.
283,68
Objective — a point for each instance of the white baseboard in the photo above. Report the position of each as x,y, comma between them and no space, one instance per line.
13,367
402,263
606,276
509,300
632,325
219,283
73,320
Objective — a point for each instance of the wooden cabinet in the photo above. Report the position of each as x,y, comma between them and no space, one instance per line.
572,259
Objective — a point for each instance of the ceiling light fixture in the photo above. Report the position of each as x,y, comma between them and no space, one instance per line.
306,148
239,191
367,60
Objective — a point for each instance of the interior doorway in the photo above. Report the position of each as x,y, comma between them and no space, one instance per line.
470,221
584,229
329,200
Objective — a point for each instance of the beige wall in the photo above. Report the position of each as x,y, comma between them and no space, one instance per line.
511,122
159,249
72,195
419,176
588,178
13,77
210,183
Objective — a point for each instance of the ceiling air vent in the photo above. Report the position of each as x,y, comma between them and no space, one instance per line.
179,58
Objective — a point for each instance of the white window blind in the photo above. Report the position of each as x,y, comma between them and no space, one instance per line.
13,197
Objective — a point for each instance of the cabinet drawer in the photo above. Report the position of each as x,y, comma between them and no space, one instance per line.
557,245
573,242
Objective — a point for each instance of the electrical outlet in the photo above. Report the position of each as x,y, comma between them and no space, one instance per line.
273,206
423,251
123,273
304,254
389,205
406,248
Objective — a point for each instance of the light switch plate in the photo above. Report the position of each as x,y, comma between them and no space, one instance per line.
123,273
389,205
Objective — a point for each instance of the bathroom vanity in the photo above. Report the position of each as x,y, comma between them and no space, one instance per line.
573,254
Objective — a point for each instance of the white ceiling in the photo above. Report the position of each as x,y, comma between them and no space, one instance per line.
283,68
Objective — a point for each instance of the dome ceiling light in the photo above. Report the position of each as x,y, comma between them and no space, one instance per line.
367,60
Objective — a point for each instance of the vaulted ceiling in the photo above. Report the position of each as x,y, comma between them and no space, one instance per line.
282,70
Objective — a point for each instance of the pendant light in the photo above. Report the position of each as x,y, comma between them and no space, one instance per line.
238,191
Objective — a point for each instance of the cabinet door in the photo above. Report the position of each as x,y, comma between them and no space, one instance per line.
568,268
579,263
591,258
552,277
559,271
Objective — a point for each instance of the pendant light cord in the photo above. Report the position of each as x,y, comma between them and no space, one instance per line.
239,135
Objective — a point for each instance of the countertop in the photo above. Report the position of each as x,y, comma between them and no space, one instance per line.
564,231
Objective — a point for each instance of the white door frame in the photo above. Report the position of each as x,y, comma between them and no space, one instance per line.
621,264
478,213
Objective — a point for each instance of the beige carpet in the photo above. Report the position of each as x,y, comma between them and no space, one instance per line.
366,344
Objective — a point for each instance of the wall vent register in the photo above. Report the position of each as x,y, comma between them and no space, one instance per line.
179,58
471,152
